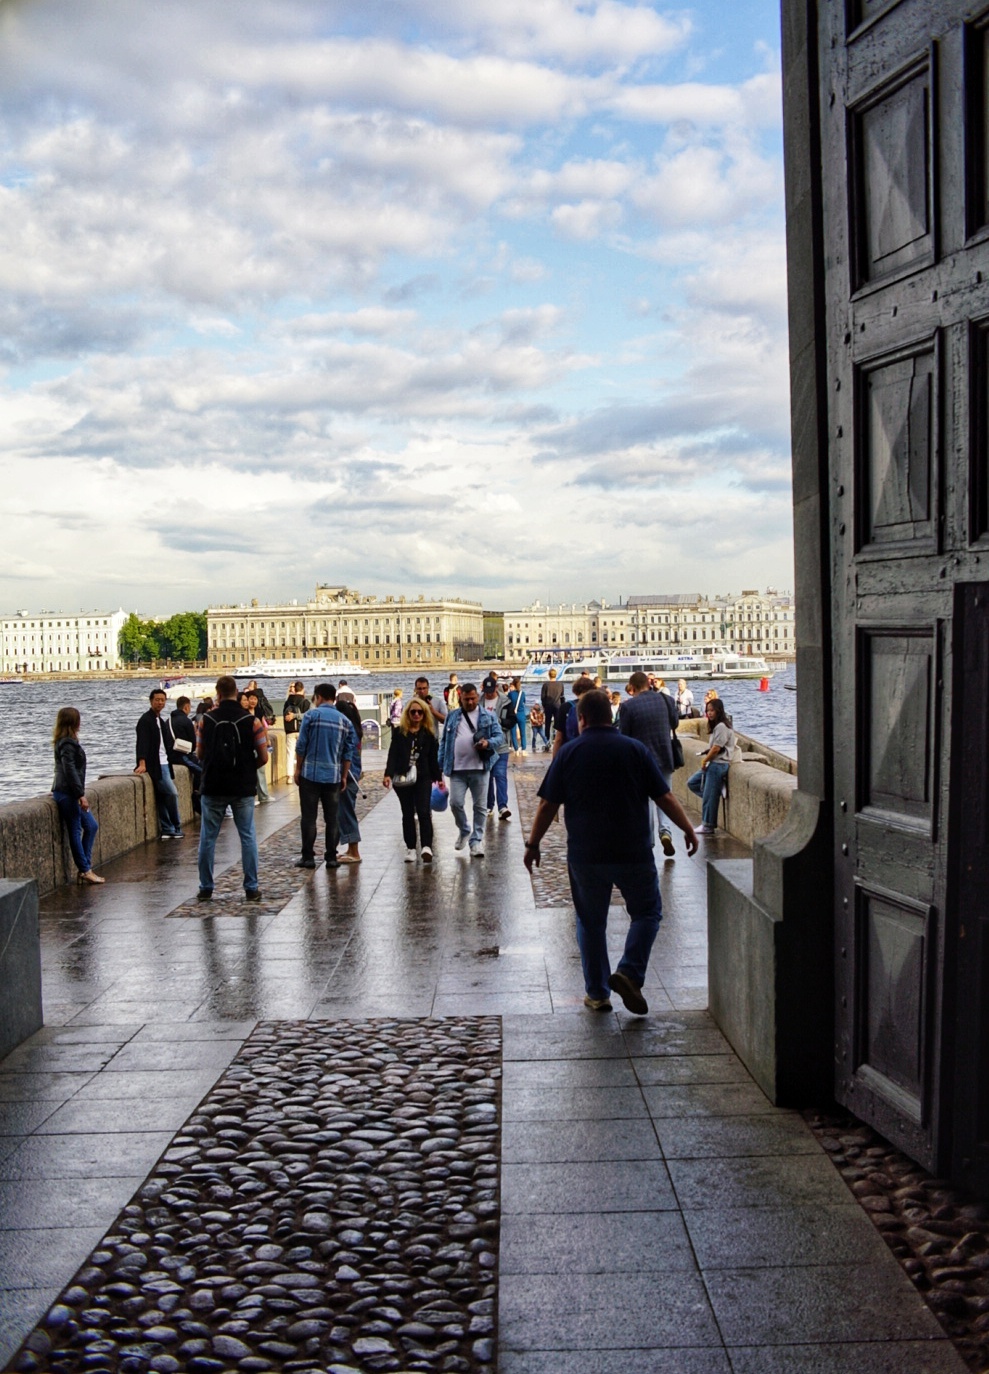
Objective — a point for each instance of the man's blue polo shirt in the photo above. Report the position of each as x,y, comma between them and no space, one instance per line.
604,781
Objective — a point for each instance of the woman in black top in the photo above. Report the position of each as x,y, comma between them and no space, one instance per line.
69,792
414,741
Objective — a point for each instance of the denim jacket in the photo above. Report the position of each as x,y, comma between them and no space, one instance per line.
486,724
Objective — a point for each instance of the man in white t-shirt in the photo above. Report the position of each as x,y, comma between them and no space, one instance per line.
468,750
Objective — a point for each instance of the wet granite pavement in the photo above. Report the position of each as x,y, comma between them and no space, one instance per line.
656,1211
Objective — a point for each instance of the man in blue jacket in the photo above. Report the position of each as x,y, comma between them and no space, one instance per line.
326,747
468,750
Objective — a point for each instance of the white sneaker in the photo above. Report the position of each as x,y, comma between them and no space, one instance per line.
523,752
410,856
477,851
462,839
504,814
427,854
703,829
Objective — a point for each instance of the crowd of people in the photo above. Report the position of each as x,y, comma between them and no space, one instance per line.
612,759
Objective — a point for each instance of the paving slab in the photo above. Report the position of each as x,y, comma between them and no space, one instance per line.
658,1214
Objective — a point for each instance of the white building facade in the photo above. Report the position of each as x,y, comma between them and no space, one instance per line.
52,642
339,623
753,622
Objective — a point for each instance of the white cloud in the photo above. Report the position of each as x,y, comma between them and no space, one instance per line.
586,220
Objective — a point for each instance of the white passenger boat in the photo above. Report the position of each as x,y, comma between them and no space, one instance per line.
567,669
302,668
668,666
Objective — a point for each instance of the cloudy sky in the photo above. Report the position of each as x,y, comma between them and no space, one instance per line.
482,298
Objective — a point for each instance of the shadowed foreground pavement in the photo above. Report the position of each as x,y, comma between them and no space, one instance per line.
657,1213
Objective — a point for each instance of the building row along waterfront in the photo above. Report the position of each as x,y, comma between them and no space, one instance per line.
340,623
752,622
53,642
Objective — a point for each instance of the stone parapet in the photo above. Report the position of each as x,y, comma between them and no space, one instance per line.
759,790
20,964
33,844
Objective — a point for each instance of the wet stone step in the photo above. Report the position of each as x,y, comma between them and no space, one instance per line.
228,1259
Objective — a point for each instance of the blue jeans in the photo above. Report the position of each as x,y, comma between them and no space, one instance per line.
498,782
350,831
214,809
591,886
82,828
476,783
707,786
167,795
539,733
517,733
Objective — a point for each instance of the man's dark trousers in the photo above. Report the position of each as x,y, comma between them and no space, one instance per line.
312,795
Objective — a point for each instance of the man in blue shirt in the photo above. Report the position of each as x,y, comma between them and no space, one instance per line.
326,746
604,782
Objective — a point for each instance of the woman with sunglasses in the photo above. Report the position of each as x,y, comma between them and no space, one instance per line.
414,742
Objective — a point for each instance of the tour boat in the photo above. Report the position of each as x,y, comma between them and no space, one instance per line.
302,668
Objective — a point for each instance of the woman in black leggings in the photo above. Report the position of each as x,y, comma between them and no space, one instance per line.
413,743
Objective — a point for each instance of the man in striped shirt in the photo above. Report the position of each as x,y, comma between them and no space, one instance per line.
326,746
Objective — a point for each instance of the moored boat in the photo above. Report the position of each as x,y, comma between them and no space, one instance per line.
302,668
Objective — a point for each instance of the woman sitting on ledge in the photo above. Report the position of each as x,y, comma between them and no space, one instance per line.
69,792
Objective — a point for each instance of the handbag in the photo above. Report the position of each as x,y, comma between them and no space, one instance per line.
181,746
406,779
678,759
439,798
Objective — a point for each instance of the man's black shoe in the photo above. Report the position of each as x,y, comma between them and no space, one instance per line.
205,894
332,863
305,863
629,993
253,894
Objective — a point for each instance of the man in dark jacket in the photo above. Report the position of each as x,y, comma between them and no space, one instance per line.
184,729
651,717
156,757
232,745
551,698
605,785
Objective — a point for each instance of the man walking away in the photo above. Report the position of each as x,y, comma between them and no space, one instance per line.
550,697
651,716
231,746
468,750
325,750
156,757
604,781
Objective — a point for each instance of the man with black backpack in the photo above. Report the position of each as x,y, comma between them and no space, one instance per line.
232,745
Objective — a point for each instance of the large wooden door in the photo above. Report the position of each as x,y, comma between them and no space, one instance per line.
906,304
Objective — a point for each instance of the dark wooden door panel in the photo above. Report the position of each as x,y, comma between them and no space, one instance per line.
968,908
905,132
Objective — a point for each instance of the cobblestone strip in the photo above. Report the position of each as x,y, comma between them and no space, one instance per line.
550,884
332,1205
280,880
939,1234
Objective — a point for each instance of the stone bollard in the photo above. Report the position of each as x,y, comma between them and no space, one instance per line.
20,964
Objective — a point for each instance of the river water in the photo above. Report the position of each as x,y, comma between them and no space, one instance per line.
110,710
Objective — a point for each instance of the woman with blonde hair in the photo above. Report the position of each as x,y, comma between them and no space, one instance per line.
396,708
69,792
412,767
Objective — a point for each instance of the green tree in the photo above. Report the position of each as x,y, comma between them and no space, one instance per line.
130,642
183,636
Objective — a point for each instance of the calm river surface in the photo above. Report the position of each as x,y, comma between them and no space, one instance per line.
110,710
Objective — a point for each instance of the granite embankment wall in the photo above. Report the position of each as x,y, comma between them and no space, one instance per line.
33,844
759,788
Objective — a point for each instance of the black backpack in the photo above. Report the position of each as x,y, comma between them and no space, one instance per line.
226,743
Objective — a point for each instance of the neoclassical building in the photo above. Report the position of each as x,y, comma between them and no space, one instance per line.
752,622
340,623
53,642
